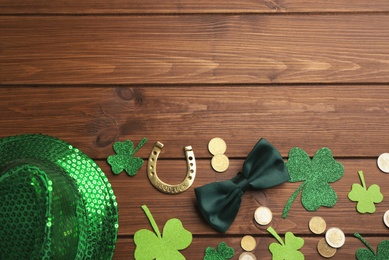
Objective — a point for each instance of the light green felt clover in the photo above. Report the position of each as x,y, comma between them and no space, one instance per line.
365,197
315,174
288,250
154,245
370,254
223,252
124,160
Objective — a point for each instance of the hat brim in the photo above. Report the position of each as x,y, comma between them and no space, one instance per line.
98,199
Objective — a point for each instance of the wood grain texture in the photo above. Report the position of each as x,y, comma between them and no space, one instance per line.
351,120
300,73
125,247
188,6
194,49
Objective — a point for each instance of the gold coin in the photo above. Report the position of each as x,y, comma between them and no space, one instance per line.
263,215
317,225
383,162
324,249
248,243
386,218
247,256
335,237
217,146
220,163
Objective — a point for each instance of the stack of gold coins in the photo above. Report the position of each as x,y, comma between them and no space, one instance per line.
248,244
217,147
334,237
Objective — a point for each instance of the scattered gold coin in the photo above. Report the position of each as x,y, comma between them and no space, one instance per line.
220,163
317,225
386,218
383,162
335,237
217,146
248,243
324,249
247,256
263,215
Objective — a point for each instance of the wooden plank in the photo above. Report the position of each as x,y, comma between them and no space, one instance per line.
194,49
351,120
125,247
188,6
133,192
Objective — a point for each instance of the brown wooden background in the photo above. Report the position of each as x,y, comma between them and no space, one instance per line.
300,73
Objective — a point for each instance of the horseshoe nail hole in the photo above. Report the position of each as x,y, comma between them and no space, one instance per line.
151,167
190,178
190,158
155,152
152,159
191,171
191,164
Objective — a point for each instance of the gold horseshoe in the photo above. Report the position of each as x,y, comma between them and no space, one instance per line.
164,187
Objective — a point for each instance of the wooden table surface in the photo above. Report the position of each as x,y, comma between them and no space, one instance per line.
299,73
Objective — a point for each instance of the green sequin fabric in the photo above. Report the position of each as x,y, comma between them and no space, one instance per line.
124,158
315,175
223,252
56,203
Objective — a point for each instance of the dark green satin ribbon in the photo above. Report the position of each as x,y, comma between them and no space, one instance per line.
219,202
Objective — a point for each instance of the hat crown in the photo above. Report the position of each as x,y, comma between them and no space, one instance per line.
45,208
73,208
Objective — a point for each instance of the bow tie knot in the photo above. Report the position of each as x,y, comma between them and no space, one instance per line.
219,202
241,181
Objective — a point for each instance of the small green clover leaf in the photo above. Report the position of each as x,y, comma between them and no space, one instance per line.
315,174
150,245
287,250
223,252
365,197
370,254
124,160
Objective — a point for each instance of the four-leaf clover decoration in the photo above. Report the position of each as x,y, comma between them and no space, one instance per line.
124,160
223,252
315,174
287,250
370,254
154,245
365,197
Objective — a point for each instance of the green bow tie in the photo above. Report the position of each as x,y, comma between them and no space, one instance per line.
219,202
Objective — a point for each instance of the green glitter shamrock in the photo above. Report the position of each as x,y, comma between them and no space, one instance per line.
316,174
150,246
124,160
365,197
223,252
370,254
287,250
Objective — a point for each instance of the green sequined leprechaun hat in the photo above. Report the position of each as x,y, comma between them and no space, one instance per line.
55,202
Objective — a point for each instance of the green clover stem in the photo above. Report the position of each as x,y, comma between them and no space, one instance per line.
360,173
364,241
141,143
152,221
291,199
274,233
